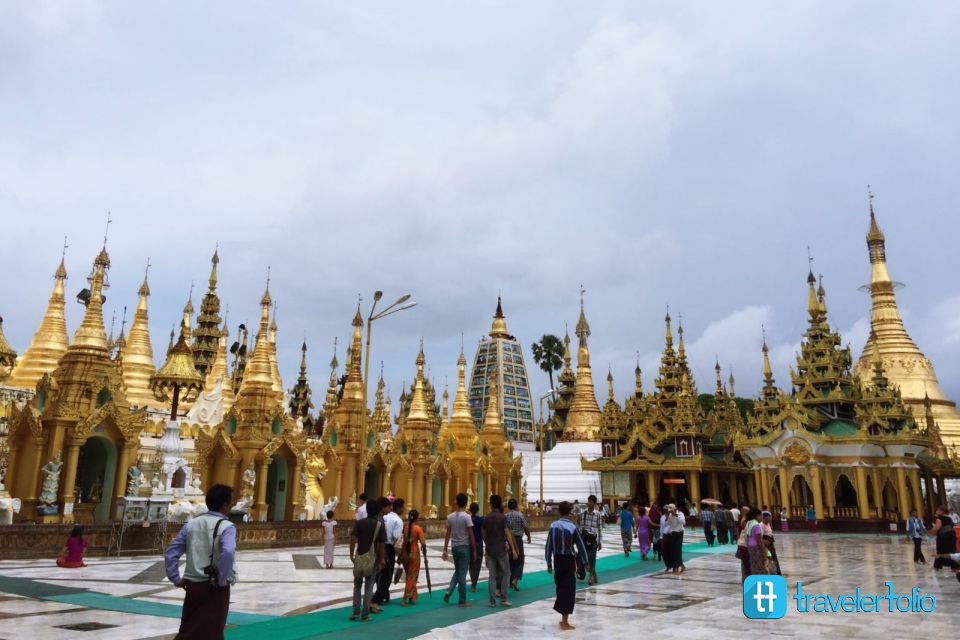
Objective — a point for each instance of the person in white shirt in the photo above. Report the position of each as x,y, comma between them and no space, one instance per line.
676,522
666,550
362,509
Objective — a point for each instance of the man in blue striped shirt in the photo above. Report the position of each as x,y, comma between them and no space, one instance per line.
565,548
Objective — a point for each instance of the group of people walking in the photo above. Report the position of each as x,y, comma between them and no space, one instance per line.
657,532
943,528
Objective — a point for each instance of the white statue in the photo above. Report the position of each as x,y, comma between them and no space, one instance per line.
249,480
51,481
208,408
155,482
330,506
134,477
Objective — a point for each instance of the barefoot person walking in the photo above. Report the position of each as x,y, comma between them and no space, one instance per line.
565,548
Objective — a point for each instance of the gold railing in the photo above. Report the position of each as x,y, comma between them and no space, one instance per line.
846,512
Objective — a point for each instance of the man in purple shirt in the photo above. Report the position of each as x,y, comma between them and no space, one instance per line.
210,543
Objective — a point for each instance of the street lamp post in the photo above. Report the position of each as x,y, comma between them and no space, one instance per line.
400,305
543,426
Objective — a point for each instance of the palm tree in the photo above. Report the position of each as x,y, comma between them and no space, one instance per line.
548,353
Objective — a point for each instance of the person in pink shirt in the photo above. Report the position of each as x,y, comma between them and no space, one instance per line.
72,556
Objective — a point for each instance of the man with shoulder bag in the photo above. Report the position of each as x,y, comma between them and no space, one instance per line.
209,542
367,551
591,530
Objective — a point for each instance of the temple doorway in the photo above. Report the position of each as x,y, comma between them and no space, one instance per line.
371,482
277,475
96,471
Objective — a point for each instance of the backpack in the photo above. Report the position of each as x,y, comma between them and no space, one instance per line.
956,533
365,564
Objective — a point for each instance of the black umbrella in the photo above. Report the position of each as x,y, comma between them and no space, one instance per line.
426,569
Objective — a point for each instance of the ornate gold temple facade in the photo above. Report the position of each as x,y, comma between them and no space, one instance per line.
857,445
80,414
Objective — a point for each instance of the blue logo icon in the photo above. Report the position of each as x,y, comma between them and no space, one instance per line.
765,597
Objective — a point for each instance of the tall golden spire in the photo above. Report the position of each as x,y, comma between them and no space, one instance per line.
461,406
206,336
583,419
904,363
218,372
492,432
499,327
418,404
257,372
188,312
49,342
274,367
91,333
353,387
137,353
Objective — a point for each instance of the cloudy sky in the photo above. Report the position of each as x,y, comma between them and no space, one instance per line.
681,153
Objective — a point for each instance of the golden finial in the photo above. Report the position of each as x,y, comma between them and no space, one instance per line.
123,320
106,231
730,381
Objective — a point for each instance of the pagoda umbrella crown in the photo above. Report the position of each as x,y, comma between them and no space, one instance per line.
178,377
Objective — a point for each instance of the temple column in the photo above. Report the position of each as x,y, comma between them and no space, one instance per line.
413,498
652,486
765,487
695,488
295,499
445,498
37,484
734,488
817,490
928,488
261,504
120,476
340,485
916,495
784,489
877,493
828,498
941,491
862,501
903,500
714,482
70,473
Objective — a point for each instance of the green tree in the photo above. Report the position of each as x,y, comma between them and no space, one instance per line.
548,354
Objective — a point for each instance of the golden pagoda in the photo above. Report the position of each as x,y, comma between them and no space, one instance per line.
904,363
49,342
80,409
207,335
664,447
136,355
583,416
258,435
847,446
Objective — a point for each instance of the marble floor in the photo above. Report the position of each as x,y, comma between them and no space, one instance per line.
287,594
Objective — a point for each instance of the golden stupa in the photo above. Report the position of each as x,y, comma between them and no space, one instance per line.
905,365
